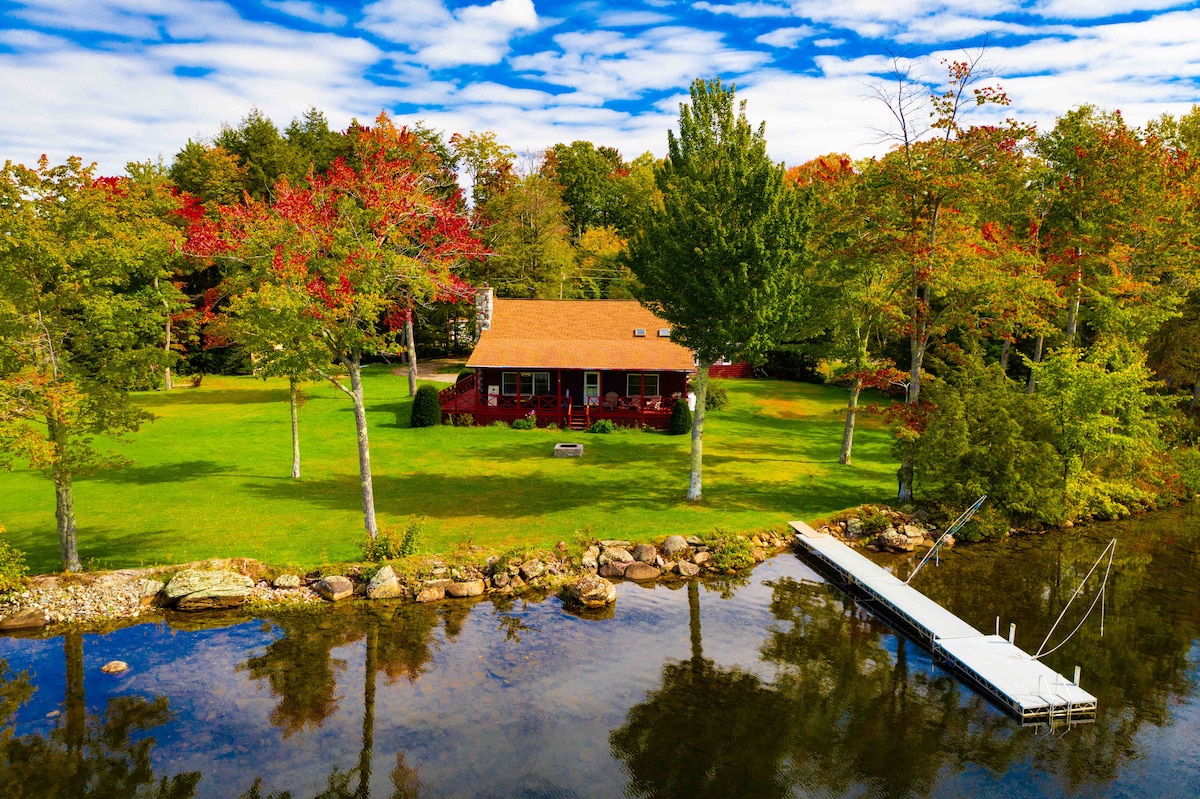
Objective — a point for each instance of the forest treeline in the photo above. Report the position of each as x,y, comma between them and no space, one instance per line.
1022,302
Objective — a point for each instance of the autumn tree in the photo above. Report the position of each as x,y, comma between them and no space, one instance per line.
851,279
355,250
80,318
720,258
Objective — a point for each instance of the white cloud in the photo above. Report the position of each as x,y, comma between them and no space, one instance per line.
752,10
478,34
787,37
615,66
1099,9
632,19
311,12
828,42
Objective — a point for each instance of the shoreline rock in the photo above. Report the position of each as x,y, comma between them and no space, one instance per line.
93,600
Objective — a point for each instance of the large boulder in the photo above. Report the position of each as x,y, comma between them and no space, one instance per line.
27,619
615,555
645,553
431,593
591,559
642,572
334,587
384,585
613,568
894,541
686,569
466,588
286,582
590,591
149,591
207,589
532,569
674,547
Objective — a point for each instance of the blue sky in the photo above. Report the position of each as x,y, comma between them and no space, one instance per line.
115,80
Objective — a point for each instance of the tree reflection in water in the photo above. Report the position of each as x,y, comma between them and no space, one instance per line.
708,731
104,757
299,666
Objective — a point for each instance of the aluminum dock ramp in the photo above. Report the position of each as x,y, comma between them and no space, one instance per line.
1012,679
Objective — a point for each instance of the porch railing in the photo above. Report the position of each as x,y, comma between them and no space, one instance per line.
457,390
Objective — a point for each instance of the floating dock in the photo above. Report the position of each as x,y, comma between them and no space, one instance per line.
1009,677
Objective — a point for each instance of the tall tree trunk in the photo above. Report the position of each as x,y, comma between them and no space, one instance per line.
851,415
1195,398
411,345
1037,358
64,497
1004,349
167,384
694,484
1073,313
294,398
364,447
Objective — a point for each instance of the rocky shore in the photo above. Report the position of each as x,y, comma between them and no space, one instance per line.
97,600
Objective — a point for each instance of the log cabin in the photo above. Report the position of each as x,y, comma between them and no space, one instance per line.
571,363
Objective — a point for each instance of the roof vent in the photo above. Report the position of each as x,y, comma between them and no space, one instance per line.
640,332
664,332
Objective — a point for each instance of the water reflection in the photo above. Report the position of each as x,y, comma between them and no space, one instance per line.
85,756
771,685
706,730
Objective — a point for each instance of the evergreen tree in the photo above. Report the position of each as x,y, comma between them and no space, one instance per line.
719,258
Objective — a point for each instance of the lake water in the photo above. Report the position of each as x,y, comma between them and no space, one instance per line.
771,685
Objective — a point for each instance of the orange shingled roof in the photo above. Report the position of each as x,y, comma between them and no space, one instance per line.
576,334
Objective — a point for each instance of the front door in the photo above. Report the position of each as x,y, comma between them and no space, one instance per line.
591,388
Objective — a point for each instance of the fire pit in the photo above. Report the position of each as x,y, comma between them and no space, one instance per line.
568,450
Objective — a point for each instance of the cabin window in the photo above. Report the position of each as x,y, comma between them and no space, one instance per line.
634,384
531,383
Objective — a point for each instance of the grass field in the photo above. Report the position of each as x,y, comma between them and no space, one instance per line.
210,477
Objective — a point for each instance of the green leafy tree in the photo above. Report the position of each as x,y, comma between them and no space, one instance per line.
529,239
80,317
720,259
263,153
210,173
273,324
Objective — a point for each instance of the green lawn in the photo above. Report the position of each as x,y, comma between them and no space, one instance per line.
210,477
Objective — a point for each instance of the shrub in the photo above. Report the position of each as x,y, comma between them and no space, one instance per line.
681,419
426,411
718,397
602,426
728,550
462,419
499,423
526,422
389,544
464,374
12,567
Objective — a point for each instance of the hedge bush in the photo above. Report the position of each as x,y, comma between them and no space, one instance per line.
717,398
681,419
426,411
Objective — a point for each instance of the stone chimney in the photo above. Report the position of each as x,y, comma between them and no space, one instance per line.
483,309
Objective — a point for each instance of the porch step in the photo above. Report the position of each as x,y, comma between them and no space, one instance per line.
578,424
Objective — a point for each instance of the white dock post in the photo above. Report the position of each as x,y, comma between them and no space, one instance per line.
1077,671
1012,633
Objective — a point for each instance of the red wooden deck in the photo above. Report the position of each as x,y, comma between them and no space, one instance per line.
463,398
